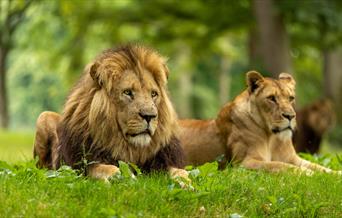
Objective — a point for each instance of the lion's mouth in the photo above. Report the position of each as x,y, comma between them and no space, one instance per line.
146,131
139,139
279,130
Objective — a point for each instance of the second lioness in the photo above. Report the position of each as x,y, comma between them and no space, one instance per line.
254,130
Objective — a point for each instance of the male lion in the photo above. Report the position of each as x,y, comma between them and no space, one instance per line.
254,130
119,110
312,122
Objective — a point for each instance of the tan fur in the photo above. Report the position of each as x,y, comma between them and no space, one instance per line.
253,129
202,141
100,108
46,136
102,171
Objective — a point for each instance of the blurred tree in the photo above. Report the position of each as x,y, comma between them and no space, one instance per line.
272,42
12,13
333,78
205,41
319,24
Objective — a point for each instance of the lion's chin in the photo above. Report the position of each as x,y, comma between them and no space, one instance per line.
284,133
140,140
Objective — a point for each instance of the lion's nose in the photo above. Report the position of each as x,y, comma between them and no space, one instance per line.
147,117
288,116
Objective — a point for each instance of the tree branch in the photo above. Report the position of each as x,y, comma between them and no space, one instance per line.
16,17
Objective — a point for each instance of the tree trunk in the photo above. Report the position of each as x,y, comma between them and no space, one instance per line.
3,90
185,82
185,95
332,66
224,80
254,53
272,37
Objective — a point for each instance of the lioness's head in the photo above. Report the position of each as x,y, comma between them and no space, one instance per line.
273,100
130,97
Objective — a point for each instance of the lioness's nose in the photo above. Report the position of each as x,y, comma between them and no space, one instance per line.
288,116
147,117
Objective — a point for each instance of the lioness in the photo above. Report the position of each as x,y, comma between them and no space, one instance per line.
254,130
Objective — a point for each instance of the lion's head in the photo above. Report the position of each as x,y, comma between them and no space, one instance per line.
131,93
121,105
320,115
273,100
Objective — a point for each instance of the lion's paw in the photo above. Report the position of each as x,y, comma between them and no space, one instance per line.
305,171
175,172
181,176
339,172
103,171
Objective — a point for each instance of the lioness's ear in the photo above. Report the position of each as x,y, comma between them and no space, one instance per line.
253,79
92,69
287,78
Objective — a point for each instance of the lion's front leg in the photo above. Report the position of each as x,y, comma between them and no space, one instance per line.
102,171
273,166
300,162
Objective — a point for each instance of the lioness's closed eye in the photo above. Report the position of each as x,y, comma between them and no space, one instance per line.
254,130
119,110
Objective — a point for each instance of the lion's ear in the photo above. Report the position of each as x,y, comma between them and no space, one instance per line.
253,80
166,70
92,69
287,78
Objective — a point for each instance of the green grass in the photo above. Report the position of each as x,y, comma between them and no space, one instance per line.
26,191
16,146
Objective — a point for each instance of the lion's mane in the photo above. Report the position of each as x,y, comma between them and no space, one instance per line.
89,131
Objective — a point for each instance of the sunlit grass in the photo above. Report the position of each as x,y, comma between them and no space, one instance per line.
28,192
233,192
16,146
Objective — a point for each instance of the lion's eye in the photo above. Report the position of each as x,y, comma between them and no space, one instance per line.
154,94
128,92
291,98
272,98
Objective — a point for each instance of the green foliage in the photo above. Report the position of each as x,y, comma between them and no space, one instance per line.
58,38
314,22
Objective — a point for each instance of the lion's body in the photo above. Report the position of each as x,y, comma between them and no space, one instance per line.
256,129
202,141
119,111
46,139
312,122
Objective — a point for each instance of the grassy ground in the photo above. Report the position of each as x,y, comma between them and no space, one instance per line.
16,146
29,192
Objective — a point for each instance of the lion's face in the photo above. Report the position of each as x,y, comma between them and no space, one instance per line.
274,101
131,97
137,107
321,116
